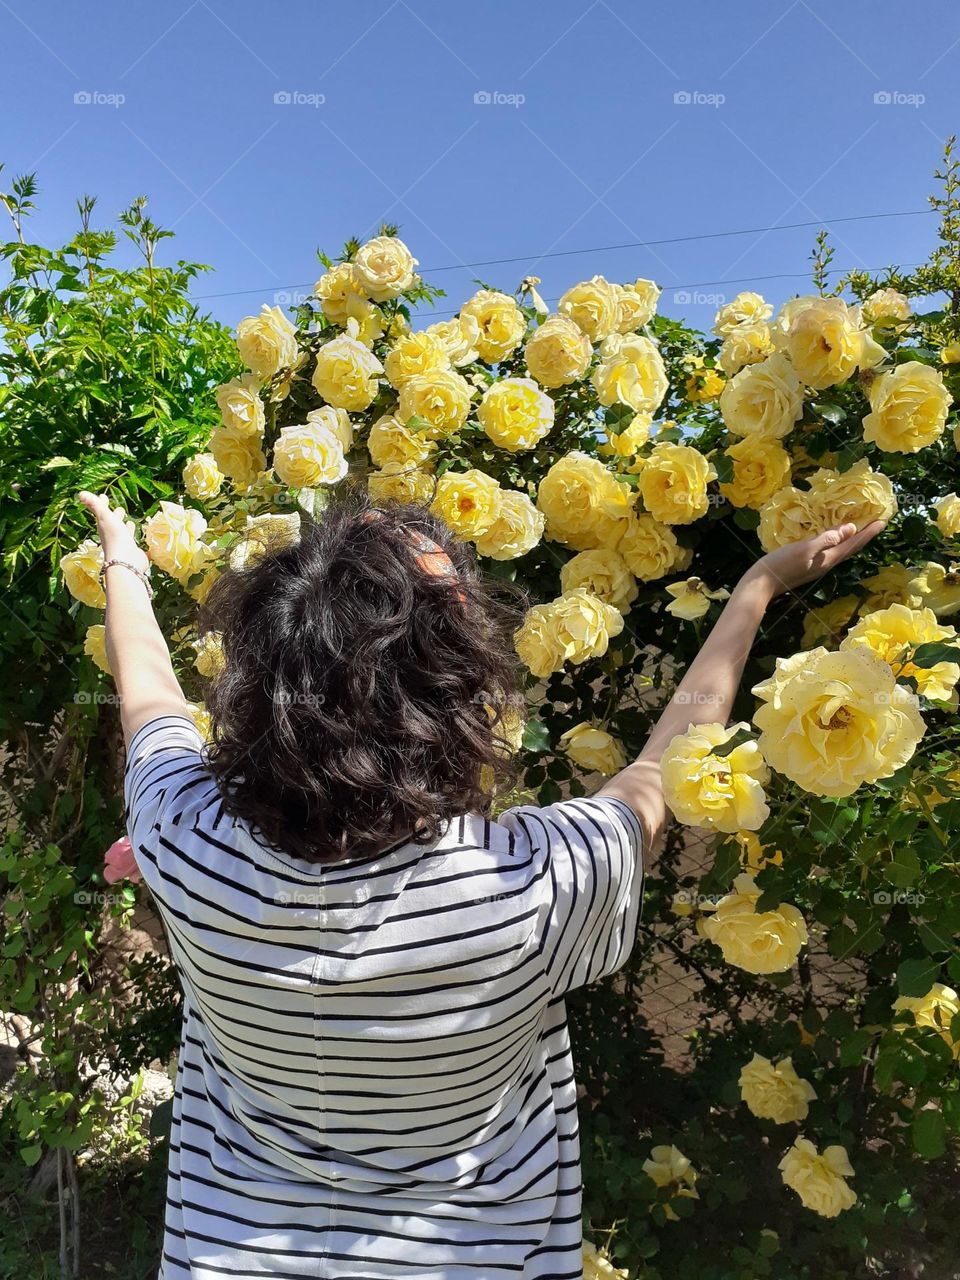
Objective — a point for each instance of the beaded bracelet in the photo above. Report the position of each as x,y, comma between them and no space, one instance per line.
133,569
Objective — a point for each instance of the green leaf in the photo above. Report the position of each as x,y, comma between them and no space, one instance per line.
737,740
929,1134
536,735
928,655
916,977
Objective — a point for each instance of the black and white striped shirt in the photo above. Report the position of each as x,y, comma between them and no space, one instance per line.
375,1077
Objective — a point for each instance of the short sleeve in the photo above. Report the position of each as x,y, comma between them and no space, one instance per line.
165,783
591,886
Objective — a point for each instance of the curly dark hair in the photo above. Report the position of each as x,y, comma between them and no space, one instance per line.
363,701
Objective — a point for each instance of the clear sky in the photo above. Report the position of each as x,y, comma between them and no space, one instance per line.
262,132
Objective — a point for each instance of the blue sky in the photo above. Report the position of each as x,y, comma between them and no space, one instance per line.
609,123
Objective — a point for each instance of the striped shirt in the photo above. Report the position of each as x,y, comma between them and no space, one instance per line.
374,1077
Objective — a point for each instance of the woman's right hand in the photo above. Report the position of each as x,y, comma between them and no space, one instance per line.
800,562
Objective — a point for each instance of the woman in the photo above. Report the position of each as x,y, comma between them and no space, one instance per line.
374,1076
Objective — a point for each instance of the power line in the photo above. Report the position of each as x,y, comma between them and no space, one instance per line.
608,248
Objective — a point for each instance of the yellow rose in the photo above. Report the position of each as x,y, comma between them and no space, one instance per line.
413,354
825,340
909,407
819,1180
832,721
746,344
201,590
267,343
704,385
631,371
636,304
80,569
593,749
336,421
715,791
346,373
753,855
668,1167
516,414
858,495
385,268
628,442
264,535
459,338
173,537
691,598
557,353
538,642
755,941
237,454
788,516
400,482
889,632
948,515
584,505
951,353
593,306
937,587
240,405
364,321
469,501
890,585
885,305
501,323
650,548
308,455
392,441
936,1010
761,467
604,574
597,1265
746,308
338,291
775,1091
441,399
673,483
574,627
763,399
95,646
202,478
209,660
825,623
516,530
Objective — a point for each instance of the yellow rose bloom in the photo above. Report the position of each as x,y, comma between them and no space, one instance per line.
890,585
650,548
826,623
201,590
574,627
604,573
263,535
441,399
400,482
753,855
201,718
516,530
593,749
763,399
948,515
885,305
909,407
80,569
384,268
95,646
628,442
202,478
459,338
788,516
673,483
240,405
748,343
831,721
413,354
516,414
336,421
704,385
209,660
584,504
338,292
889,632
935,1010
636,304
346,374
745,308
716,792
538,642
237,454
858,495
392,441
761,468
267,343
469,501
691,598
755,941
597,1265
951,353
557,353
308,455
937,587
593,306
825,340
819,1180
631,371
669,1167
501,323
774,1091
173,537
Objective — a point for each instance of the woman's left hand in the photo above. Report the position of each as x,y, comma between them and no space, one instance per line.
116,534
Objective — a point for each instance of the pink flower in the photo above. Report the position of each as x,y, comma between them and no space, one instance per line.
119,862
